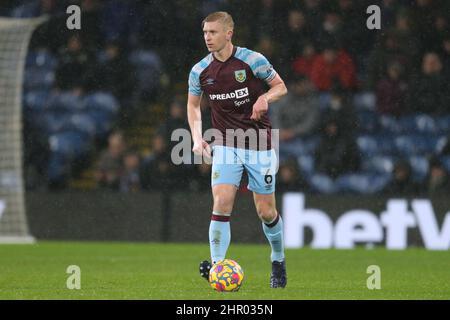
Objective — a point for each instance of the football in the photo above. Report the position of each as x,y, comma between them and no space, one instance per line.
226,275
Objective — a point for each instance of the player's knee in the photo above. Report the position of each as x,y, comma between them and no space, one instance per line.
266,211
223,203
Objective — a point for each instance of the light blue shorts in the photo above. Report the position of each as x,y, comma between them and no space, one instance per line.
228,164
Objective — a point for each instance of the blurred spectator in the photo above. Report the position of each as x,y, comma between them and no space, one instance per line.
34,8
341,109
355,39
302,65
154,27
331,29
446,147
148,69
296,35
386,50
389,9
110,166
430,92
75,66
289,177
402,181
91,33
333,65
297,114
265,20
119,21
313,10
407,43
157,170
53,32
446,58
391,92
422,13
437,33
175,119
129,178
40,70
438,180
113,73
337,152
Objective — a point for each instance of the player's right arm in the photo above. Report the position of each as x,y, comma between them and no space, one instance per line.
195,122
194,114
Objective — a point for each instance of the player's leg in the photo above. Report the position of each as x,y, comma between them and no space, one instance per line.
226,175
261,169
271,222
262,176
273,229
219,228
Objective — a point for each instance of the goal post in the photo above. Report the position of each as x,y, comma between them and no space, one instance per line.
15,35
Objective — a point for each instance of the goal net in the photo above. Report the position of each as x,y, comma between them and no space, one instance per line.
14,38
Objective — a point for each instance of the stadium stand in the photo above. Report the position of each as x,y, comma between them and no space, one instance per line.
76,121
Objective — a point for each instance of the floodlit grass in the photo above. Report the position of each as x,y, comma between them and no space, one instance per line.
170,271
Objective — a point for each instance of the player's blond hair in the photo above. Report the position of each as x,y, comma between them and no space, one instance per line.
222,17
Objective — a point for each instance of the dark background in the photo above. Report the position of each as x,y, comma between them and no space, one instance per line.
146,217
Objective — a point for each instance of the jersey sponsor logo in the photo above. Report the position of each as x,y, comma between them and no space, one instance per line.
237,94
240,75
241,102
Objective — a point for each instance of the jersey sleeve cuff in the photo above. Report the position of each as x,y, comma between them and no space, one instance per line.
195,93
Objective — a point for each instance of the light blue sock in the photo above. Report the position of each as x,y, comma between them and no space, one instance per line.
219,236
274,233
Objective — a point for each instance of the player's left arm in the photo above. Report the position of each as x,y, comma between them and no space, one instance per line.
276,91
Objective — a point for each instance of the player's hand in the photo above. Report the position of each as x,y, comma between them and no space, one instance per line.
260,108
202,148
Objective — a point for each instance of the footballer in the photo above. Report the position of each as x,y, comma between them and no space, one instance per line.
233,80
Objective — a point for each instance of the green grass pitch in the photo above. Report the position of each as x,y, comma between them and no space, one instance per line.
170,271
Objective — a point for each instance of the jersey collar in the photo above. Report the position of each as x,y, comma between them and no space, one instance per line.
233,52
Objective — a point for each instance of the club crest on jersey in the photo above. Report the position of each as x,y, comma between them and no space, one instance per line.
240,75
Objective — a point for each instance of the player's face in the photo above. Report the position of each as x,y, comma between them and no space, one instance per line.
216,35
